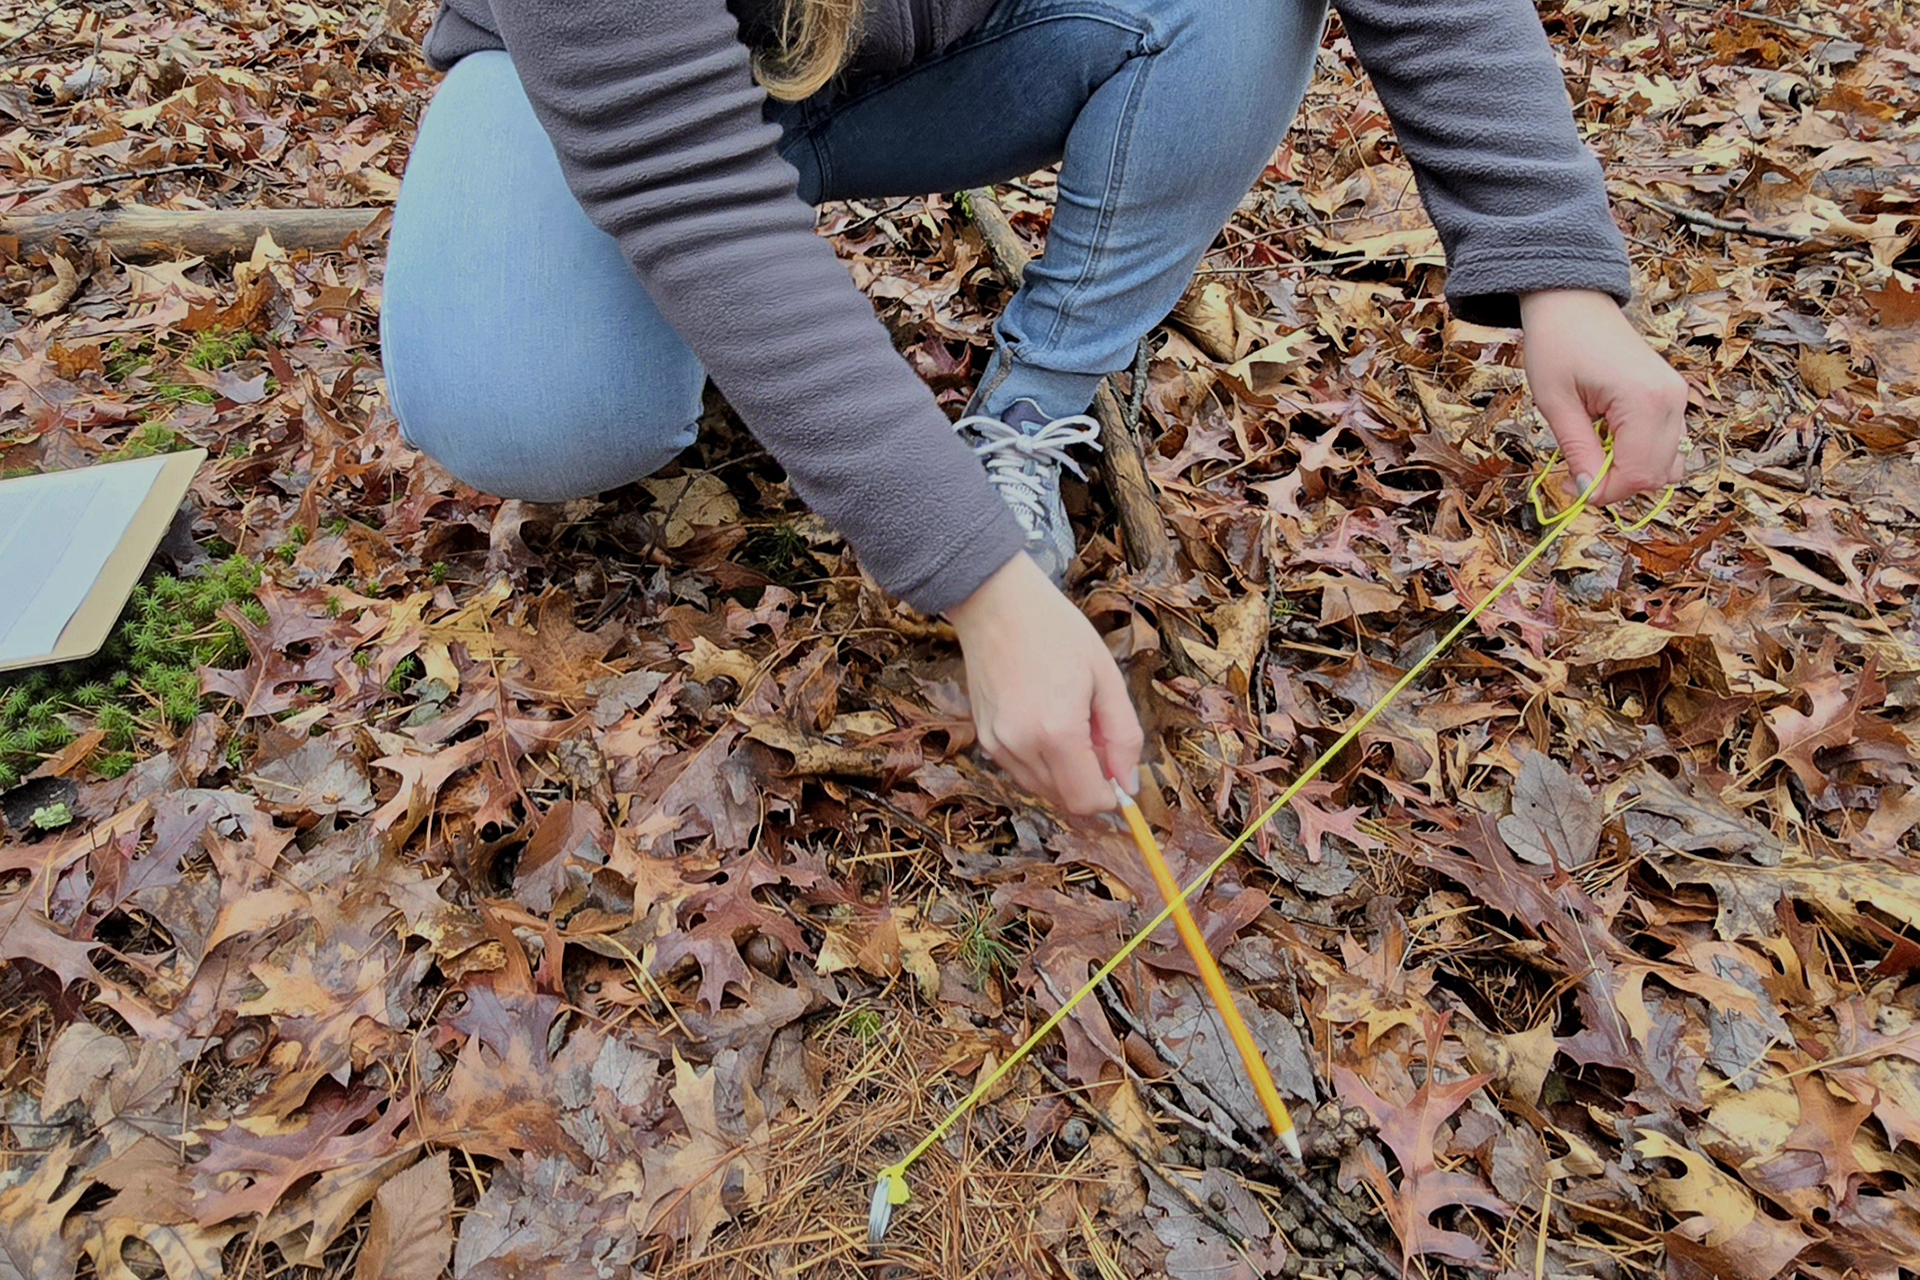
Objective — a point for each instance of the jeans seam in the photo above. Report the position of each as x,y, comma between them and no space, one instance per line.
1116,170
393,385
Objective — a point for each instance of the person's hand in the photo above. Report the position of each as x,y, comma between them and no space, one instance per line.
1584,361
1048,701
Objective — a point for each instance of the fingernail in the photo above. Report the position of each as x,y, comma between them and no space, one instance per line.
1583,482
1133,781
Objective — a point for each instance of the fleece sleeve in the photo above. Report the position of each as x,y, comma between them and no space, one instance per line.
1481,110
653,110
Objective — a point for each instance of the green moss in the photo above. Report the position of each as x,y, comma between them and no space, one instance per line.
118,724
863,1024
146,674
181,392
405,672
777,551
151,438
123,359
296,539
113,764
218,348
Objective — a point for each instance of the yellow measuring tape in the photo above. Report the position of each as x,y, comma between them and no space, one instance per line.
891,1188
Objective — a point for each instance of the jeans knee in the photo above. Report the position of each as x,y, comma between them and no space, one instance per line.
1254,46
539,440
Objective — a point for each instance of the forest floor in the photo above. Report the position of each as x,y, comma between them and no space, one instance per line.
422,882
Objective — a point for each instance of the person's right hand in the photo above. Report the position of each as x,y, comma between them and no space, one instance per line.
1048,702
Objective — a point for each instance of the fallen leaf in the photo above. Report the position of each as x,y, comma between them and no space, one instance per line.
691,502
35,1243
685,1182
1720,1215
1555,819
1410,1132
410,1232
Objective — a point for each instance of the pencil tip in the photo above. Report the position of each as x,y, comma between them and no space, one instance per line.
1291,1141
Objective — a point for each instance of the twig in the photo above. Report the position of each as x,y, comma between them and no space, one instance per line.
139,231
1149,547
105,179
1137,393
40,22
1295,1183
1146,1160
1700,219
1706,6
1279,1167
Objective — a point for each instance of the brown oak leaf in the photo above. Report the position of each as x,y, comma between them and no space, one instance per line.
1424,1188
716,920
34,1243
1828,1127
687,1186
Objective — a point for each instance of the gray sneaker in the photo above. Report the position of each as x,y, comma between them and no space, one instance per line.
1023,454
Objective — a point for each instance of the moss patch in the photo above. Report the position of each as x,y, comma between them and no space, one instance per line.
145,677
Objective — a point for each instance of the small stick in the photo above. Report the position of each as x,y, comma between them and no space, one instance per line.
105,179
1295,1183
141,232
42,21
1705,6
1699,219
1258,1075
1145,1158
1299,1185
1151,551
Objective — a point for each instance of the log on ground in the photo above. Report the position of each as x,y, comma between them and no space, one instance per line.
136,232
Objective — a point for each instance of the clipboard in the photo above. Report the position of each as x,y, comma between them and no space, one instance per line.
109,566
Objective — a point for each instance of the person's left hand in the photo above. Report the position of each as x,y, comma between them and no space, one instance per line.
1584,361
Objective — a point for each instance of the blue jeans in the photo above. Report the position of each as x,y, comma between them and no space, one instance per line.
522,353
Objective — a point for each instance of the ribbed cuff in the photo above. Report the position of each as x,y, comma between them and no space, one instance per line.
1486,288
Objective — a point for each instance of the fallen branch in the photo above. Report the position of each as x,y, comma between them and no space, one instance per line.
136,232
1699,219
1150,548
1852,182
45,17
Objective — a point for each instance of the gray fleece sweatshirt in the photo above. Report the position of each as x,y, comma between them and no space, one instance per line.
653,110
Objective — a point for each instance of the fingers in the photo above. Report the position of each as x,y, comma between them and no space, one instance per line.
1048,701
1116,728
1058,752
1017,751
1648,421
1079,782
1054,757
1572,428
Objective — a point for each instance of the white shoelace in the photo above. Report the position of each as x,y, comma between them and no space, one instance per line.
1008,451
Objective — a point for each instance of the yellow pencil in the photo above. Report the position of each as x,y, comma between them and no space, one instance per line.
1210,975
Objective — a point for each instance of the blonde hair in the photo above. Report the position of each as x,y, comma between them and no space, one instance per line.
813,41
